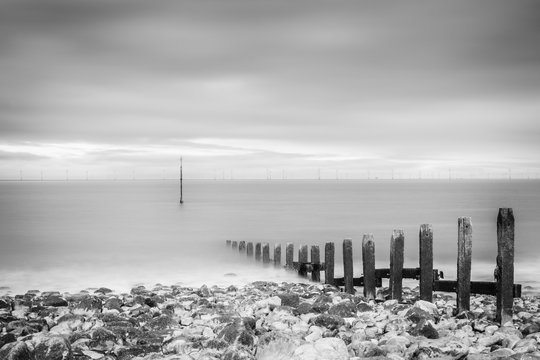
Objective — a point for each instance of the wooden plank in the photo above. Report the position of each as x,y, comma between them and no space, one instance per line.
426,262
277,255
368,264
316,260
505,265
329,251
258,252
477,287
348,266
397,245
289,254
266,253
242,246
464,264
249,249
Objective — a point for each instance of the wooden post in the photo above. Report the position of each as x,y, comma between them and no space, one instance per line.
235,245
368,264
329,251
426,262
242,247
315,261
266,253
277,255
464,264
348,266
397,244
249,249
289,255
505,265
258,251
228,242
302,258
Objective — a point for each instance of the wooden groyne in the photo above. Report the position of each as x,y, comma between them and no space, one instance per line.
430,279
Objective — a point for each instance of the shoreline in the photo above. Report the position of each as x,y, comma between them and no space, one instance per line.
260,320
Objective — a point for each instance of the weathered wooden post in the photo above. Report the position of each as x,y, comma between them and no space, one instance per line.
249,249
277,255
464,264
266,253
316,262
258,251
348,266
228,242
505,265
368,264
329,251
302,258
235,245
289,255
242,246
397,244
426,262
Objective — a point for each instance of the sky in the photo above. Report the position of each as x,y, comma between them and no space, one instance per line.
257,89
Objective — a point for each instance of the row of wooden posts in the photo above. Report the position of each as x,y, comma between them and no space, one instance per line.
429,278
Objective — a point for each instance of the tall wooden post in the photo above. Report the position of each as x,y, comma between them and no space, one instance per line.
505,265
266,253
302,258
368,264
464,264
228,242
258,251
426,262
235,245
289,255
397,245
242,247
277,255
249,249
315,261
348,266
329,251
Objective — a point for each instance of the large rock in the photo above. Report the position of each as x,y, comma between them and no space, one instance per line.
89,303
442,347
53,348
323,349
289,299
237,333
54,301
15,351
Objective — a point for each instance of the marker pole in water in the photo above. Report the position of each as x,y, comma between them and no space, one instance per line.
181,180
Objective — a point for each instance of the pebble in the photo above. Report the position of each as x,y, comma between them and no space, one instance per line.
261,321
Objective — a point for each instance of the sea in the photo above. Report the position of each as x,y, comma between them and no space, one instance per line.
69,236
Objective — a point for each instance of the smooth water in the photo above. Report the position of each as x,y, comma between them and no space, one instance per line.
69,236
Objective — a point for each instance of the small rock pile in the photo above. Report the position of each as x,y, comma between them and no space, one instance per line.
263,321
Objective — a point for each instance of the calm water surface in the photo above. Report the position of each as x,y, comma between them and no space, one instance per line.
73,235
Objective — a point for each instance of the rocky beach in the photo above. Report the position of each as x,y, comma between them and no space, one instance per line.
261,320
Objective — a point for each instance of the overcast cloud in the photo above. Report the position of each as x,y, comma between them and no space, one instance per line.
128,86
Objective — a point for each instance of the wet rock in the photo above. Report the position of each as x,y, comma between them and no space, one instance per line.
6,304
103,291
363,307
161,322
289,299
113,303
89,303
343,309
54,301
328,321
447,346
237,334
16,351
237,353
322,304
